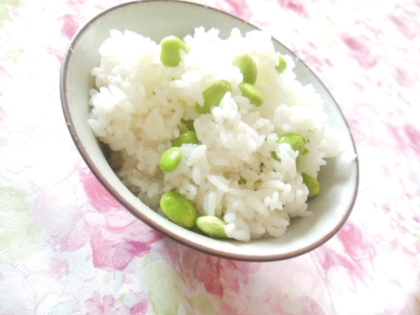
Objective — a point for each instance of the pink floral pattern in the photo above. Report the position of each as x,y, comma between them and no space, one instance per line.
68,247
113,235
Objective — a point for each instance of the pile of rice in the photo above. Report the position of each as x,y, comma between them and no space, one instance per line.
137,109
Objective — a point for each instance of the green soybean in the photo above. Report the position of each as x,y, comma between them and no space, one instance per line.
313,185
179,209
170,53
170,159
296,142
212,226
213,95
188,123
188,137
248,67
282,64
252,93
275,156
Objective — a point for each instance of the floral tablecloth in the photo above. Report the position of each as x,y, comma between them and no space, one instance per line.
67,247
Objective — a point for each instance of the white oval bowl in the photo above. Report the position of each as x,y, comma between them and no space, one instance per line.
157,19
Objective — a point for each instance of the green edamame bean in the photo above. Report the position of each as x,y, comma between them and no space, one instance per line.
275,156
313,185
170,54
282,64
188,123
170,159
179,209
212,226
297,143
295,140
213,95
248,67
252,93
188,137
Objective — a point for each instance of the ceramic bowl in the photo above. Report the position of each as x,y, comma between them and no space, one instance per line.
157,19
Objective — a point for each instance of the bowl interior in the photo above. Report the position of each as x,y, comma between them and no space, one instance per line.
157,19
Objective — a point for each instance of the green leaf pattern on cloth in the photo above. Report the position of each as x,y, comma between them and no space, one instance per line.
5,11
19,235
164,286
166,290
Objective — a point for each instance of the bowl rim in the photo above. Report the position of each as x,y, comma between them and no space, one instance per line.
151,223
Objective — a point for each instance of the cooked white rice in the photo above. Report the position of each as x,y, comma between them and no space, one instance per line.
137,109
